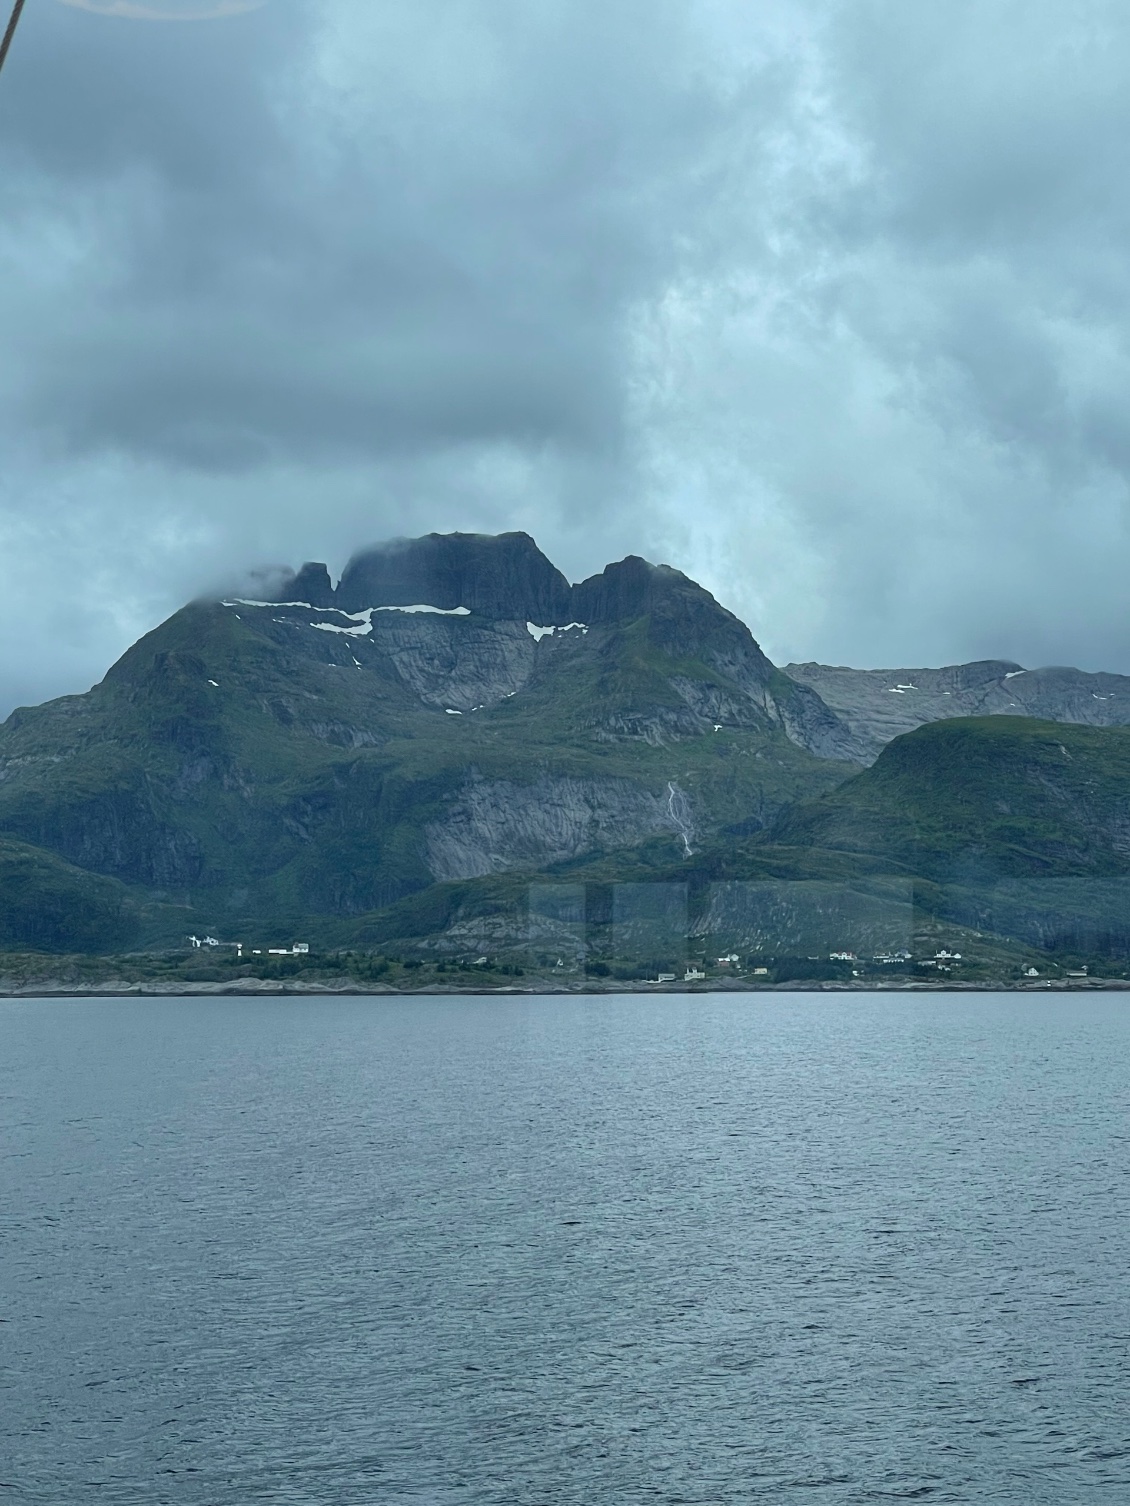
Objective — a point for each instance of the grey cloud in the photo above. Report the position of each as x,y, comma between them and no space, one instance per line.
827,304
297,279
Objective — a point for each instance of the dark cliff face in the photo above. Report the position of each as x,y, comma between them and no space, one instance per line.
507,578
619,593
504,577
312,585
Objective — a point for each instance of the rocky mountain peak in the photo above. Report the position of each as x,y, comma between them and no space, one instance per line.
501,576
504,582
684,616
506,577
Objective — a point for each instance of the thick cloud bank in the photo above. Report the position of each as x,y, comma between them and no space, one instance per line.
826,305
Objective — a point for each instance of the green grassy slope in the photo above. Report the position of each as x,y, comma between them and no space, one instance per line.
48,905
981,799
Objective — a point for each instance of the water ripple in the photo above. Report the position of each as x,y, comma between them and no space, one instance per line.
533,1252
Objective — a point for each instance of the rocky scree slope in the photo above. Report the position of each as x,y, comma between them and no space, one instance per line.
880,704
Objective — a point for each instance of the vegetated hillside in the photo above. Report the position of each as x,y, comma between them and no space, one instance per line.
48,905
1015,827
983,798
1016,832
879,704
279,762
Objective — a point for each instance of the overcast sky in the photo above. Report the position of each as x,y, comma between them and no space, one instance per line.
824,303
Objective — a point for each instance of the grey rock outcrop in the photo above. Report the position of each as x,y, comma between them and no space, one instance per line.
453,663
496,825
881,704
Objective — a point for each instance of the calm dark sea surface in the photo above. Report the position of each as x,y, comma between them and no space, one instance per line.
539,1251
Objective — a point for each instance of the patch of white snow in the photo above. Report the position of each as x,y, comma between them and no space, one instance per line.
362,631
216,683
453,713
435,611
305,605
538,633
365,616
1012,674
364,621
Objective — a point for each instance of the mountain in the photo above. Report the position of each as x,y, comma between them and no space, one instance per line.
879,704
395,759
503,578
270,763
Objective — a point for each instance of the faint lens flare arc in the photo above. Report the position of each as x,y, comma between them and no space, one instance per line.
10,31
166,10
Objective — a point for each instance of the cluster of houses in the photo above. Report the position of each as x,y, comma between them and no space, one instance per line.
942,959
298,949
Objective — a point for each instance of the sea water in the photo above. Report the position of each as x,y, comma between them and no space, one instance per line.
528,1251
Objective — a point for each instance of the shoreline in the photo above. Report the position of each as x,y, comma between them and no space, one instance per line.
269,988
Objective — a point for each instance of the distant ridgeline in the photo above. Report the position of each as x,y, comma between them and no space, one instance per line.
454,753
